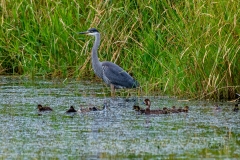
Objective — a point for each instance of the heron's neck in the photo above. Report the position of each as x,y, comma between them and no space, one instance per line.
97,66
96,43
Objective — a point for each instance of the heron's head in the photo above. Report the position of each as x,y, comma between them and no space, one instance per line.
92,32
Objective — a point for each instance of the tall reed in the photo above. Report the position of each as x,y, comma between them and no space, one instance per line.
183,48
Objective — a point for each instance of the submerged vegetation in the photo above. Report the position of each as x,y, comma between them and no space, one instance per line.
183,48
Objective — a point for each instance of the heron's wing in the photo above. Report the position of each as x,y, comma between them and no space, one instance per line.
117,76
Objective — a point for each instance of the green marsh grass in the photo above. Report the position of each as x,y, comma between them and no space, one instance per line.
182,48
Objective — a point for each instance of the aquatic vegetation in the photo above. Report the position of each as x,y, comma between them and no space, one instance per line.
182,48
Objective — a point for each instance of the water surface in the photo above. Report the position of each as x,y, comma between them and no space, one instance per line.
118,132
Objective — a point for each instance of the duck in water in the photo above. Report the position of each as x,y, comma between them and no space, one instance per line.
147,102
236,108
89,109
217,108
174,110
180,109
71,110
138,109
185,109
165,110
42,109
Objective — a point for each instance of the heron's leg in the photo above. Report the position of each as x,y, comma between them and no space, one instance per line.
112,90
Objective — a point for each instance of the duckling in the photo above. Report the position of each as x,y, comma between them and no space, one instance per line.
174,110
165,110
147,102
105,106
185,109
136,106
89,109
148,111
71,110
236,109
93,109
180,109
217,108
84,110
138,109
42,109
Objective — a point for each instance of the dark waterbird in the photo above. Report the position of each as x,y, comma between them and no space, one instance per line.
93,108
105,106
138,109
71,110
185,109
174,110
110,73
236,108
88,109
217,108
165,110
180,109
238,99
84,110
147,102
42,109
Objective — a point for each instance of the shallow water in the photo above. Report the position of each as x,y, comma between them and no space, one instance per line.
117,132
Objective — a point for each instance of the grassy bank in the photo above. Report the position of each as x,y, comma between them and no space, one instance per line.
183,48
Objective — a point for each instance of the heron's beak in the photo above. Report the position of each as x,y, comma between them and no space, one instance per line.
83,32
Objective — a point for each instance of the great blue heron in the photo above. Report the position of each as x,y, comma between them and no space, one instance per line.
112,74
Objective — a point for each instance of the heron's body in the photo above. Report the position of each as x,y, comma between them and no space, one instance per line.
110,73
117,76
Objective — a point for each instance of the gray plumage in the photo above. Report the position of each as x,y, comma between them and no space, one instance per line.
112,74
